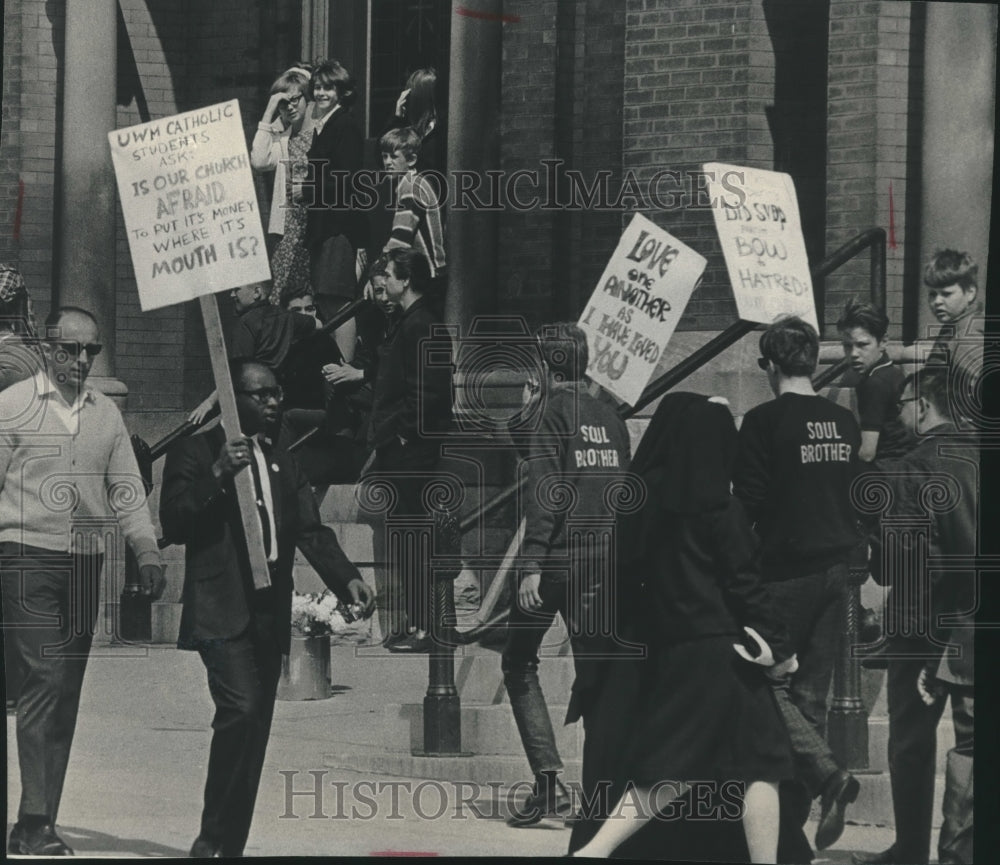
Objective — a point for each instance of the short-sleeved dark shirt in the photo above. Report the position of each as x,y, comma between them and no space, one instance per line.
878,408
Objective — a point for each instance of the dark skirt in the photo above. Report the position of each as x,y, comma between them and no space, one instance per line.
703,713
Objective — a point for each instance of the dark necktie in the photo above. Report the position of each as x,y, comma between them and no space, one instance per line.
265,523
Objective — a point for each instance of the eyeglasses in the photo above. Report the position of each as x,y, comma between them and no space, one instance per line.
289,101
901,402
73,349
763,362
264,394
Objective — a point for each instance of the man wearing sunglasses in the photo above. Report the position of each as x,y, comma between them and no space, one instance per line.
66,464
239,631
798,455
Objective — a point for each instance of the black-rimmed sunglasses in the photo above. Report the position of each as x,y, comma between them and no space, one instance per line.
73,349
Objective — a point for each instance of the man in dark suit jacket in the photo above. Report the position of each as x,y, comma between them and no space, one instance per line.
241,632
335,231
927,610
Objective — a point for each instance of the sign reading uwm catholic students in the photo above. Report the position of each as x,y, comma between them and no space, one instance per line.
636,306
189,205
757,218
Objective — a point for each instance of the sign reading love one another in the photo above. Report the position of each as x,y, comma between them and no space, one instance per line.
189,205
635,308
757,219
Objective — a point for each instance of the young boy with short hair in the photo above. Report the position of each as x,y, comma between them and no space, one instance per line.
417,223
950,277
863,328
796,463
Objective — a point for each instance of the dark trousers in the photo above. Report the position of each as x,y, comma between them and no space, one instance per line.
525,631
50,613
912,749
242,678
812,608
408,469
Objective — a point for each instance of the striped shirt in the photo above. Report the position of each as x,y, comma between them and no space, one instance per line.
417,223
69,467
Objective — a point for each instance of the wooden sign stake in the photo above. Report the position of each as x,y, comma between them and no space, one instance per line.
246,495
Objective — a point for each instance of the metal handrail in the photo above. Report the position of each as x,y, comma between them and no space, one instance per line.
873,239
185,429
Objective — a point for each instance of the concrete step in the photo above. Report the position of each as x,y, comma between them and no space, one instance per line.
485,771
479,678
165,622
487,731
339,504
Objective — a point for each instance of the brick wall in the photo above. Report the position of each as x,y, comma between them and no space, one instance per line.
686,102
188,55
31,102
598,135
150,346
872,107
527,136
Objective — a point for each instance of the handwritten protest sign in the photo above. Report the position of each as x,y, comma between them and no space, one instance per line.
757,218
194,230
636,306
189,205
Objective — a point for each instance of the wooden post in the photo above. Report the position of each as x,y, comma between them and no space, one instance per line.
246,495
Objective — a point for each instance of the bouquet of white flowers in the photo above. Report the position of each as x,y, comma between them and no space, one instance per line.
314,615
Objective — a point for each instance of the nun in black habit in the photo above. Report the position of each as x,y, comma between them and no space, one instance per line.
696,708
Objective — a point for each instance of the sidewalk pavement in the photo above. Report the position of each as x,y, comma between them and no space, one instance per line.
138,767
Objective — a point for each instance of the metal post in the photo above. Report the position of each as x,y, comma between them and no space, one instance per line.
847,723
442,704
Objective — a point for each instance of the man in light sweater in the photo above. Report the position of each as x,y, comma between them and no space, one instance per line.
67,476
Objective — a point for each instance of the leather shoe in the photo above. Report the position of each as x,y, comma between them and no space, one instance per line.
203,848
839,791
39,840
548,798
392,639
412,645
886,857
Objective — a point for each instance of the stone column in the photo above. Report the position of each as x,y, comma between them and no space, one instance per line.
959,107
86,205
473,146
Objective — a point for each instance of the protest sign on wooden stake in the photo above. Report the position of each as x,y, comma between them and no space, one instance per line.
635,308
757,218
194,230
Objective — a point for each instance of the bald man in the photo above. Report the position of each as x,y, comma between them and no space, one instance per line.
66,463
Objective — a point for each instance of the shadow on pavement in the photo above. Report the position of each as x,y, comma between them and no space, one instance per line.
86,841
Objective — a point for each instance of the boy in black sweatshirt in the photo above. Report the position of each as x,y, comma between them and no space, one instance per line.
798,456
579,448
